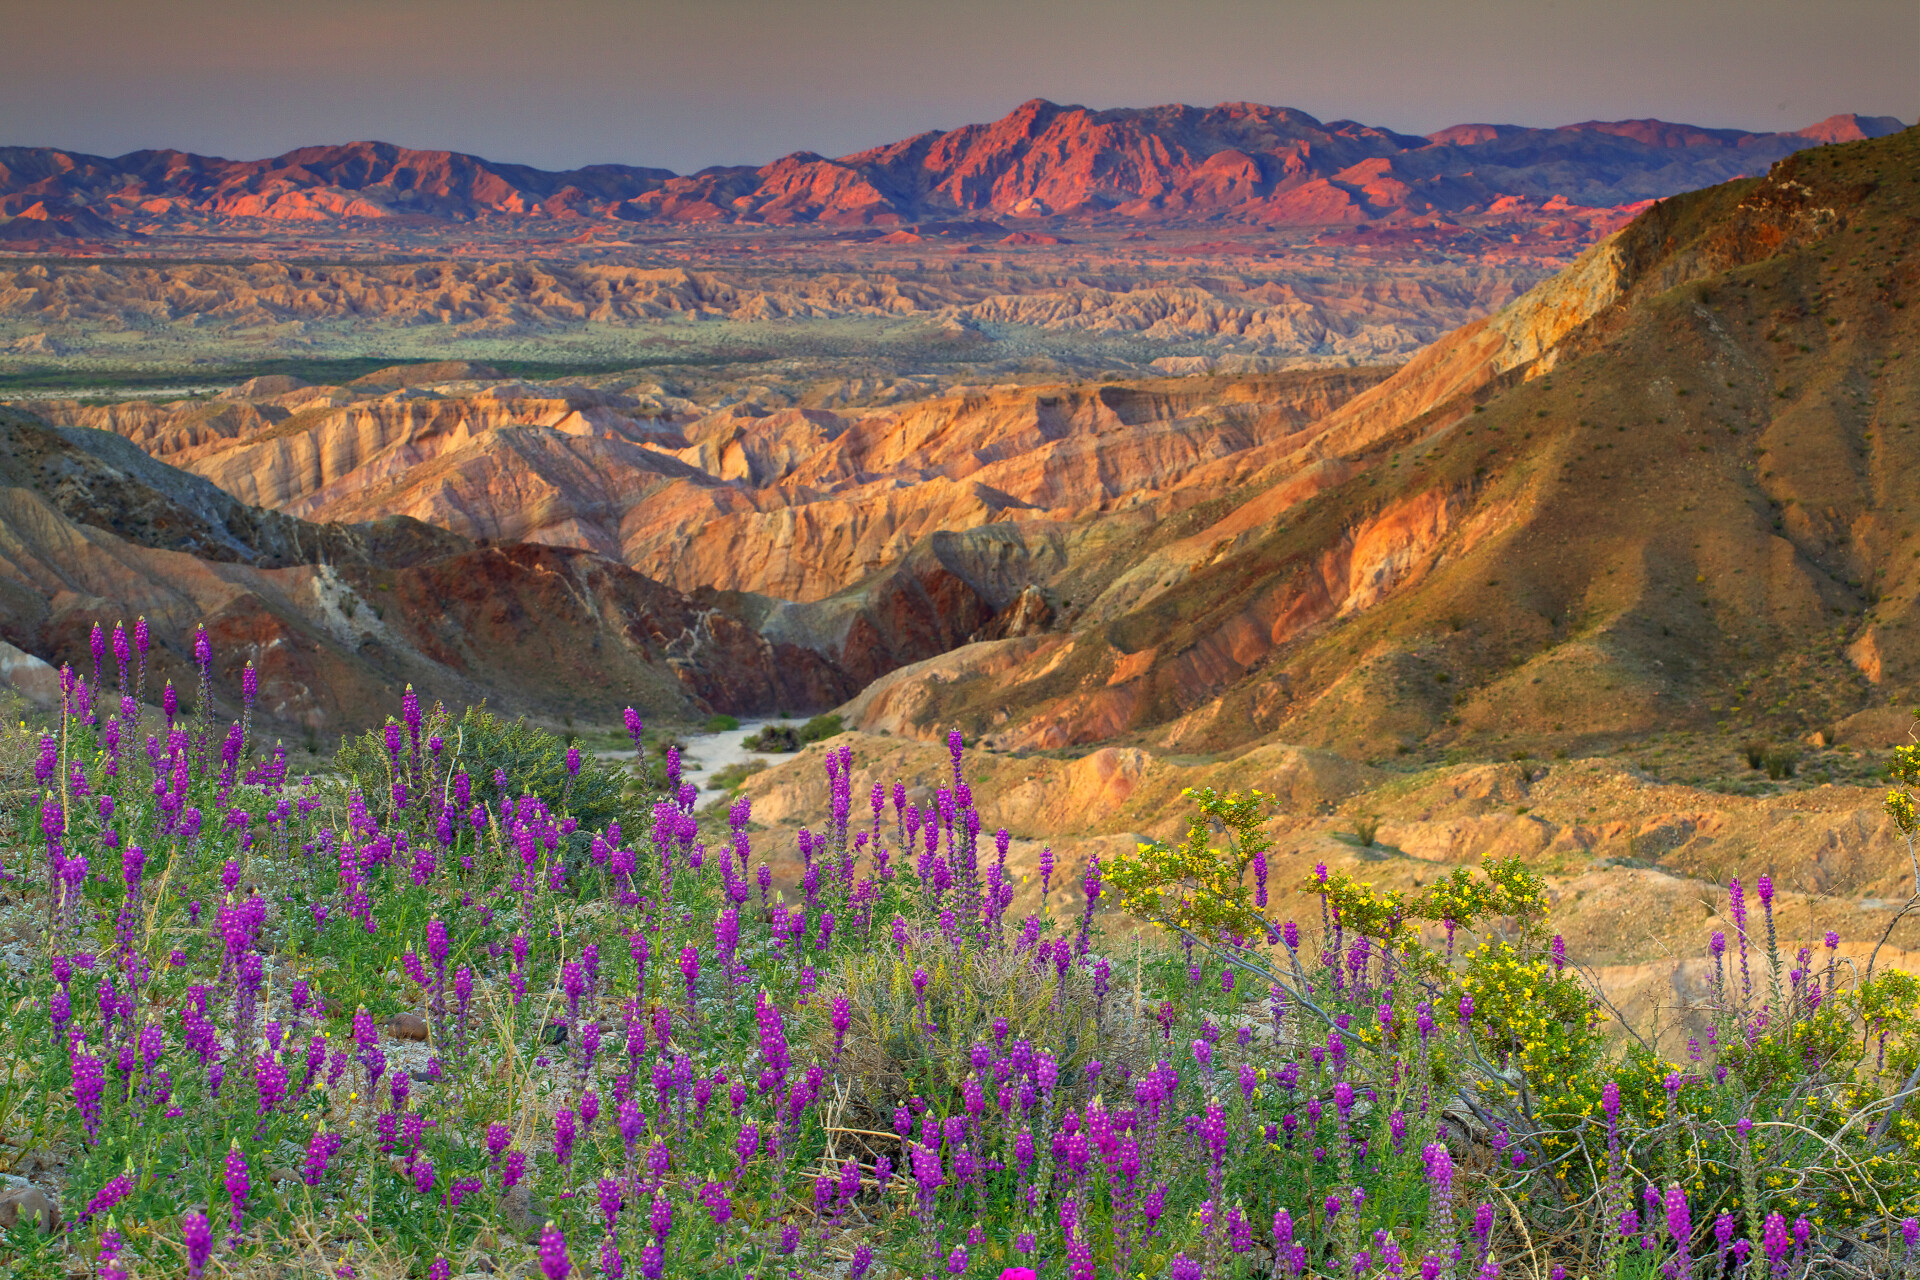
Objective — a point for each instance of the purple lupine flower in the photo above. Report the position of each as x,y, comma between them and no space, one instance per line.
660,1218
238,1187
115,1190
690,970
842,1019
1679,1229
320,1149
197,1234
1737,907
1723,1227
89,1087
554,1263
1773,1243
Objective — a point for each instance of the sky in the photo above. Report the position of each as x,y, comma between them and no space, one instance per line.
682,84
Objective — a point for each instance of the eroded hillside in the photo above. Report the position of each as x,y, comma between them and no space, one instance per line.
1664,490
335,616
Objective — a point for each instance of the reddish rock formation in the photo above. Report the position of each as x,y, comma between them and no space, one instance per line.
1268,164
336,617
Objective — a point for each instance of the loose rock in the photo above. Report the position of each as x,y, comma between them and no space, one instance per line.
33,1203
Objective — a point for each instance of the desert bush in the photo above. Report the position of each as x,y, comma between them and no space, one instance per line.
423,751
821,727
731,777
775,738
1779,762
919,1009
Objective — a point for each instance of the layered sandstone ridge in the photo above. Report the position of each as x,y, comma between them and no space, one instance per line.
791,502
873,536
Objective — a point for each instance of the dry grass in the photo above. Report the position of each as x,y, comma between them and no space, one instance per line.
889,1056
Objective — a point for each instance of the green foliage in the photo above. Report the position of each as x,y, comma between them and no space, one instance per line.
482,745
775,737
1356,906
1780,762
722,724
901,1046
732,776
1196,885
1508,890
821,727
1530,1014
1904,771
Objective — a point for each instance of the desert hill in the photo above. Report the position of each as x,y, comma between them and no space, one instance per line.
1173,307
336,615
878,536
1665,489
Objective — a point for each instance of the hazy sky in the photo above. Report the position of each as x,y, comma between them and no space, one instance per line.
687,83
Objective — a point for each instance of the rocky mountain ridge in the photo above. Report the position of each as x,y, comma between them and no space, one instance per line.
1265,164
1654,484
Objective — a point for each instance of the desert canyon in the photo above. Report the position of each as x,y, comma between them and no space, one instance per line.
1438,484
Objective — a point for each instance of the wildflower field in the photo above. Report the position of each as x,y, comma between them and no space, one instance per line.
473,1004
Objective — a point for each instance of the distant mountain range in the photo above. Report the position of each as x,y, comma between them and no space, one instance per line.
1244,161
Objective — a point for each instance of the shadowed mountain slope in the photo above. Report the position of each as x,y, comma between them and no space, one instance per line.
334,616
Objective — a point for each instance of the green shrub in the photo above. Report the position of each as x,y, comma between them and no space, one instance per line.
722,724
1780,762
775,737
730,778
481,744
820,728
